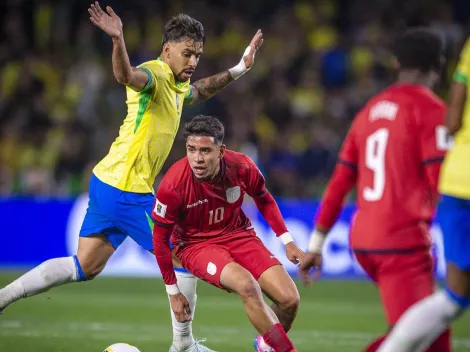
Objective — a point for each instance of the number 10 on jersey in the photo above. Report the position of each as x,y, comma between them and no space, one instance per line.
216,216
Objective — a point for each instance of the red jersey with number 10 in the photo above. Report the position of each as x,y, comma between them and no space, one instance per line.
200,211
392,141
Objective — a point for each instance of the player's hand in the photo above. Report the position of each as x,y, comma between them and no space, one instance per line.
255,44
180,306
310,260
294,253
108,22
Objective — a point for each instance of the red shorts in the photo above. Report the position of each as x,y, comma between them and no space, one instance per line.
403,278
207,260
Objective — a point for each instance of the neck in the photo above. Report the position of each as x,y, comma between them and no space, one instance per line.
415,77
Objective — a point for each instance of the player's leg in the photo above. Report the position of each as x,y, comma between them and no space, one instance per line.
215,265
93,253
404,279
134,218
428,318
250,252
237,279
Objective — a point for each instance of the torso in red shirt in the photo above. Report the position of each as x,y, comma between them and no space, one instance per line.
390,143
202,211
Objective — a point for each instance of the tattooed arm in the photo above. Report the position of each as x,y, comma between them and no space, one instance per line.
209,86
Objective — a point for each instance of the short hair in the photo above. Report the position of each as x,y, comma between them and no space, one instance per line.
202,125
181,27
420,48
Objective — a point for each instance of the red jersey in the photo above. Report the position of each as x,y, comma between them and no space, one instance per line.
195,211
392,153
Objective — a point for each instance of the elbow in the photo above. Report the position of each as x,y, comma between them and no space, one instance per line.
124,79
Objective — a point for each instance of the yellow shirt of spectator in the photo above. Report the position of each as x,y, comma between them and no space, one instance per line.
455,173
147,134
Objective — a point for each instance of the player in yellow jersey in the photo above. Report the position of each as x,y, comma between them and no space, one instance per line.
121,188
427,319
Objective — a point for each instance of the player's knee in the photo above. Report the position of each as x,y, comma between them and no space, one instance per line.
289,299
248,288
90,268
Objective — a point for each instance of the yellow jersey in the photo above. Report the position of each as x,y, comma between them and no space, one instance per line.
454,179
147,133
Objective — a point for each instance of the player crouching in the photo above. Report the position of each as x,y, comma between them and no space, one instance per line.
198,204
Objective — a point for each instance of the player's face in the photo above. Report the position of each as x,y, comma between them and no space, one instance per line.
183,57
204,156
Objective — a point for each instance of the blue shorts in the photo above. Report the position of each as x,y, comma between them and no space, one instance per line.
118,214
454,218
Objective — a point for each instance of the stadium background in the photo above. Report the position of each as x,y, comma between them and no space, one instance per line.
60,109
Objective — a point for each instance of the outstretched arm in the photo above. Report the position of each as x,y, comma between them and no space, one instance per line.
111,24
207,87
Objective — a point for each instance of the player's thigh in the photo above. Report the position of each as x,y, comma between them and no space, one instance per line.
403,280
235,278
206,262
276,283
248,251
133,217
454,218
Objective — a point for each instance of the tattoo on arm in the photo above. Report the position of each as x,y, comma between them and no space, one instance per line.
209,86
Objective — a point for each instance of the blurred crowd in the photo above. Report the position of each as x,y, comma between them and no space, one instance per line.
61,108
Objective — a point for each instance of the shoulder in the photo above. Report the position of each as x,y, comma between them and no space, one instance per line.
178,174
156,67
238,160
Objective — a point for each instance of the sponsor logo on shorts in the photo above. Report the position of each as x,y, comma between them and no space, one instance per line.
211,268
233,194
160,209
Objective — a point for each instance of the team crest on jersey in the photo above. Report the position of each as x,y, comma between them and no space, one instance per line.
177,101
233,194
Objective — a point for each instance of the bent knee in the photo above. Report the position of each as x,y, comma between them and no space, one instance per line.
90,268
247,288
289,299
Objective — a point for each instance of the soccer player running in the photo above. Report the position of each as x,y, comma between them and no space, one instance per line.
426,320
198,204
121,188
393,153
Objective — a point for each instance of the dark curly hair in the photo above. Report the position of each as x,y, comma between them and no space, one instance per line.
181,27
202,125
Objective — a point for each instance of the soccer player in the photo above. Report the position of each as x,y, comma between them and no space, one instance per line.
393,153
198,203
420,325
121,188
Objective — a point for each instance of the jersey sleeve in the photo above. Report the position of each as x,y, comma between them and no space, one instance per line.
432,135
462,73
348,155
167,206
256,185
152,71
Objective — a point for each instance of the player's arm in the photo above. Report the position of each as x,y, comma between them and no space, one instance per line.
207,87
267,206
434,143
458,91
110,23
341,183
165,214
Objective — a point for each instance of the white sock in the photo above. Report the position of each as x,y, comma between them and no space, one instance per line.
51,273
422,324
183,332
264,346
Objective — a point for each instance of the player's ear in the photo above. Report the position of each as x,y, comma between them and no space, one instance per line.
222,151
395,63
166,50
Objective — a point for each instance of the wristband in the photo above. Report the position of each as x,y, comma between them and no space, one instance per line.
172,289
286,238
240,69
316,242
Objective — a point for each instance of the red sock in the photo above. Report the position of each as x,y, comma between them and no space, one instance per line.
277,339
374,345
442,343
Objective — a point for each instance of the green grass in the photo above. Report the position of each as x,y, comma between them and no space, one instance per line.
334,317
